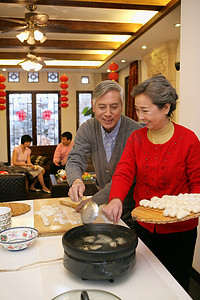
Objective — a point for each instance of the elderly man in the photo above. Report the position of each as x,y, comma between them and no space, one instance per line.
102,138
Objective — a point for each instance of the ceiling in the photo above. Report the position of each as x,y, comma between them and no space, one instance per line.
98,31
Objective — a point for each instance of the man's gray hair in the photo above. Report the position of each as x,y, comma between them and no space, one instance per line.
106,86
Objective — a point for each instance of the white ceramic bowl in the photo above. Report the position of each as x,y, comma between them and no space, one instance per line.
4,227
18,238
5,222
5,212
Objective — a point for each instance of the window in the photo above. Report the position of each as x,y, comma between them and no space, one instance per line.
84,79
52,77
83,100
13,76
36,114
33,77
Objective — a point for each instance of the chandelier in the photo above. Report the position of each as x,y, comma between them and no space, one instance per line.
31,35
29,65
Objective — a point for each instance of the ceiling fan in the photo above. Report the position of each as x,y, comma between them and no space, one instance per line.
33,62
33,27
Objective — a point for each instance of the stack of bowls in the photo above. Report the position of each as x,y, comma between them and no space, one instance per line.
5,218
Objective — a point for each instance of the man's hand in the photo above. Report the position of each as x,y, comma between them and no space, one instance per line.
82,203
56,163
113,210
77,189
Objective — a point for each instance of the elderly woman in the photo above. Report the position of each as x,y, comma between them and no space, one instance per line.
21,157
165,158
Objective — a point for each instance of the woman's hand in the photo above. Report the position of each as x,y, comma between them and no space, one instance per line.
77,189
113,210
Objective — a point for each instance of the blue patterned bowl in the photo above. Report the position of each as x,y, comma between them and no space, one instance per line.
18,238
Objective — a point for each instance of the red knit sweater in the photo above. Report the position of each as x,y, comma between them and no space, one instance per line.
160,169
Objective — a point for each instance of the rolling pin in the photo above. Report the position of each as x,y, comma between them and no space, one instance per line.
69,202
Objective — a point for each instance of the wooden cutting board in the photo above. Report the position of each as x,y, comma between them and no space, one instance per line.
155,216
62,214
17,208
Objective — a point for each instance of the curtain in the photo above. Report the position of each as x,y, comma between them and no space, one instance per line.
133,81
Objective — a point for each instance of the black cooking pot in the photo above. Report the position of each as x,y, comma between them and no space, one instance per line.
114,257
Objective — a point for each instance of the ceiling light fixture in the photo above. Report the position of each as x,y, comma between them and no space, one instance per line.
144,47
31,35
177,24
29,65
123,60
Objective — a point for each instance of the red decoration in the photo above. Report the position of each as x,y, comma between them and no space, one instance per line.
2,93
113,67
2,107
64,93
2,78
64,78
113,75
4,173
64,104
21,115
46,115
2,101
2,86
64,99
64,85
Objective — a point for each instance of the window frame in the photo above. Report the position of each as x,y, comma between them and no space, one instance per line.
34,131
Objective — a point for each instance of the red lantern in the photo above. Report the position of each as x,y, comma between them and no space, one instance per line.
64,99
2,86
2,78
64,78
113,67
113,76
2,101
64,93
2,93
64,85
46,115
2,107
21,115
64,104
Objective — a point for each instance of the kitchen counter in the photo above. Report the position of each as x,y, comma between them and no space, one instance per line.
38,272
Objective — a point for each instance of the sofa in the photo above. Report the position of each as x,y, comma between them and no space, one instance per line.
13,187
43,156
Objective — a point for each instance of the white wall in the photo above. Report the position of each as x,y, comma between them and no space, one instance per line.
189,78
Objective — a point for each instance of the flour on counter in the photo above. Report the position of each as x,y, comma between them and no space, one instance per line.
63,215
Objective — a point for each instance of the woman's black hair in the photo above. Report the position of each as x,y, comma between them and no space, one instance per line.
26,138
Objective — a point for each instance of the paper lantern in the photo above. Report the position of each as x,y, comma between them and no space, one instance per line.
2,107
64,99
2,101
64,92
2,93
64,85
113,67
113,75
64,104
64,78
46,115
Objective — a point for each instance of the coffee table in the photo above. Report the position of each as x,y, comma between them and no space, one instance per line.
60,188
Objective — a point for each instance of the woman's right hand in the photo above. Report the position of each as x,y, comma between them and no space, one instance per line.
77,189
113,210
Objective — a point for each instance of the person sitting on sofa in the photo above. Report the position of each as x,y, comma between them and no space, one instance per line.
21,157
61,152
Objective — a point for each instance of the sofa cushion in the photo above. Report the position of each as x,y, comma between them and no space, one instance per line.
39,160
